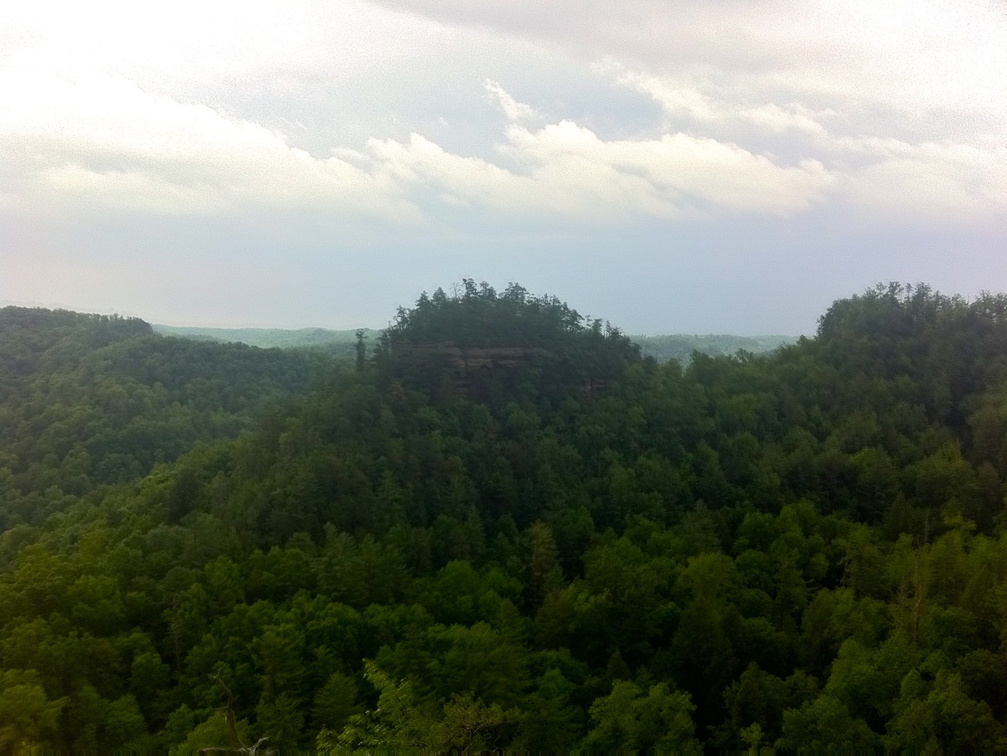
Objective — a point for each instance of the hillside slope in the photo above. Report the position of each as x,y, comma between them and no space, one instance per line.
88,400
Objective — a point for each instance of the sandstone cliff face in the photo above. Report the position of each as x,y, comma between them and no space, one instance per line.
473,358
468,363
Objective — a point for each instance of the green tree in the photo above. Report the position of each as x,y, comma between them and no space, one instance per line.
825,724
629,719
943,717
28,718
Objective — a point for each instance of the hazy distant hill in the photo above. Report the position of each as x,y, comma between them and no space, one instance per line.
333,342
681,346
662,348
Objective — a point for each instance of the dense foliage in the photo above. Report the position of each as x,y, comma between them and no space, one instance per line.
91,400
507,529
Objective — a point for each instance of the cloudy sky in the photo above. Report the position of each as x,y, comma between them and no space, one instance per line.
671,166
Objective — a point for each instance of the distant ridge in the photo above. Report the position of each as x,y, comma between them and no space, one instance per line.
681,346
662,348
265,338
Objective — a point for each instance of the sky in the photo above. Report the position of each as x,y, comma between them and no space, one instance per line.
669,166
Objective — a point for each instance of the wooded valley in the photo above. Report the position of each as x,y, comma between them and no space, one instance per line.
502,527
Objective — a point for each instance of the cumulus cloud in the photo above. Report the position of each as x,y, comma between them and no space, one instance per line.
566,171
680,172
102,144
956,179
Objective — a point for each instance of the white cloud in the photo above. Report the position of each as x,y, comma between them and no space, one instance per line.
954,180
681,172
514,110
929,184
675,98
566,171
790,117
678,99
102,144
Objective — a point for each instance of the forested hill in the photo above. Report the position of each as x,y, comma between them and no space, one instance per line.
88,400
503,527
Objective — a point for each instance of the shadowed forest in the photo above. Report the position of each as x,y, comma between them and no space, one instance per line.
500,526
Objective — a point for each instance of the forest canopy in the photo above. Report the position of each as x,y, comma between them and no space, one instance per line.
504,528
